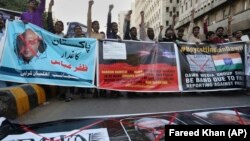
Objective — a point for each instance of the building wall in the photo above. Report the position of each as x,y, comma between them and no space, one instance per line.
217,12
121,17
156,13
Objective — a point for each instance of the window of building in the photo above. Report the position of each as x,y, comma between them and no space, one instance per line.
171,14
177,1
182,9
174,9
186,6
170,1
177,14
167,23
167,9
191,3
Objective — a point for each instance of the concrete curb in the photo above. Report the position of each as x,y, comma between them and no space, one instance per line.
15,101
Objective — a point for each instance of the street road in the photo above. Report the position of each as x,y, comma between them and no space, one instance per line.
78,107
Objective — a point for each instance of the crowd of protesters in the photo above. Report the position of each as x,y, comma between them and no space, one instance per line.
195,33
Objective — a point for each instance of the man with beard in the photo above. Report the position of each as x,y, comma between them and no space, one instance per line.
220,33
129,33
112,28
150,36
59,27
93,25
194,35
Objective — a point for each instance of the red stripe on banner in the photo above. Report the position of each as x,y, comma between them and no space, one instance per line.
238,115
83,128
25,128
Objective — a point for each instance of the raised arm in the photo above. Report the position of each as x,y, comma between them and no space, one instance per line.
229,28
173,22
205,25
191,25
143,34
41,7
89,18
160,33
126,26
49,18
108,32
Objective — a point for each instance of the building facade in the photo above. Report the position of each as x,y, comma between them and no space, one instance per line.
121,16
217,12
156,12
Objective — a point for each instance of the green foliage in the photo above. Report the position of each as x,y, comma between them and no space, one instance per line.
16,5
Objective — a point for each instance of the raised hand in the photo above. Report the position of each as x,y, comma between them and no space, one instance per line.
230,19
51,3
111,6
161,27
142,13
129,12
91,2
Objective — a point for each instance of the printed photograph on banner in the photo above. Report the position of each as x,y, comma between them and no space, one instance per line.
201,63
223,117
29,46
148,128
228,62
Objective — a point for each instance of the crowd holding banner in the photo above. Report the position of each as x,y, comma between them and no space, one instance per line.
30,54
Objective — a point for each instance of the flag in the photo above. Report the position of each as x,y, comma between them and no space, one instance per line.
227,62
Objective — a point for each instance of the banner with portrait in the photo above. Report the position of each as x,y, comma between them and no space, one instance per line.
212,67
138,66
34,55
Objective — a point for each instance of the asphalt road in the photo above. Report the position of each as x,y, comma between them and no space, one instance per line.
79,107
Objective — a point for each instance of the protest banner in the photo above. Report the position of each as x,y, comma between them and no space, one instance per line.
138,66
33,55
212,67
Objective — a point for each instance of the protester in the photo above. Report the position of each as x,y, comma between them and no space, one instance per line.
180,35
209,37
58,27
34,12
237,36
93,25
112,28
194,34
103,35
169,35
220,33
129,33
78,33
2,27
150,36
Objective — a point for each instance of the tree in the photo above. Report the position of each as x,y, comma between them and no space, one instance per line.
16,5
